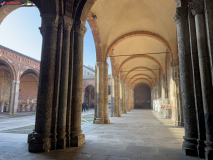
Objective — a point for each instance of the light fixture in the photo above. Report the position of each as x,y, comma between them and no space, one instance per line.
94,16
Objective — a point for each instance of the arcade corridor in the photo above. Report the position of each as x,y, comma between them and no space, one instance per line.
139,135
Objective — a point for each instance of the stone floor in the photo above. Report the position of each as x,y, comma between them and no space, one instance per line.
138,135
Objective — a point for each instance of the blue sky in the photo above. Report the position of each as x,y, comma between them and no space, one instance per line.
19,31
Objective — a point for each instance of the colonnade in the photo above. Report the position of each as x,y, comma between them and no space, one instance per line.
195,32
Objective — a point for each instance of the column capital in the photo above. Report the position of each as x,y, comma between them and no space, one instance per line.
48,20
197,7
80,27
68,22
181,14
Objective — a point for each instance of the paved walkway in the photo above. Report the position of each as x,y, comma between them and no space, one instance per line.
138,135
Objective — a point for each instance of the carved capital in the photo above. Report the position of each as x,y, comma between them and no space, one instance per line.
48,20
68,22
197,7
181,14
80,28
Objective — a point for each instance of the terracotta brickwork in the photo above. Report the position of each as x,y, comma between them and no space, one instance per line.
139,33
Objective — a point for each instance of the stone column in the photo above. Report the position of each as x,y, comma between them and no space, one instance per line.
129,107
196,78
118,96
99,91
40,140
197,8
190,138
114,106
16,95
62,109
124,98
106,101
77,138
12,93
209,29
121,97
179,98
174,95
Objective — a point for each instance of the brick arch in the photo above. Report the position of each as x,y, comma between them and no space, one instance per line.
27,71
7,9
140,56
139,33
134,85
141,79
140,67
141,75
96,35
10,66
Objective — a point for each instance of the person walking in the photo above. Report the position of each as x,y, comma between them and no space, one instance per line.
83,107
87,107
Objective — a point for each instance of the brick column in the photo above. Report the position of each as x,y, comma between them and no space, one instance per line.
121,97
99,93
114,99
106,101
124,98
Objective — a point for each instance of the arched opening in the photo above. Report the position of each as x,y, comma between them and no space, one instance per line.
6,76
90,96
142,96
28,91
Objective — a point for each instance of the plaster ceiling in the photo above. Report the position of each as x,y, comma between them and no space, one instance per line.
119,17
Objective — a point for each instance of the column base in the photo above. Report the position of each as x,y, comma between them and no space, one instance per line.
107,121
98,121
201,149
181,124
54,141
176,123
61,143
39,142
190,146
77,141
209,150
68,139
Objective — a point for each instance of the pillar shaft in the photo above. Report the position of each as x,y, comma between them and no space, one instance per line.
115,104
190,138
121,97
12,93
62,109
118,96
197,81
124,98
106,101
77,138
197,8
40,140
99,91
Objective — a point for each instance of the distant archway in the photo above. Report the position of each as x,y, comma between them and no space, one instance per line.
90,96
142,96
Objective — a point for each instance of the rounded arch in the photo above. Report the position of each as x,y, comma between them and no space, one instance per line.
141,79
10,66
140,67
139,33
140,56
7,9
30,71
89,95
96,35
141,75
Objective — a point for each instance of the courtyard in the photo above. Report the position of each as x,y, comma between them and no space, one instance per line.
138,135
